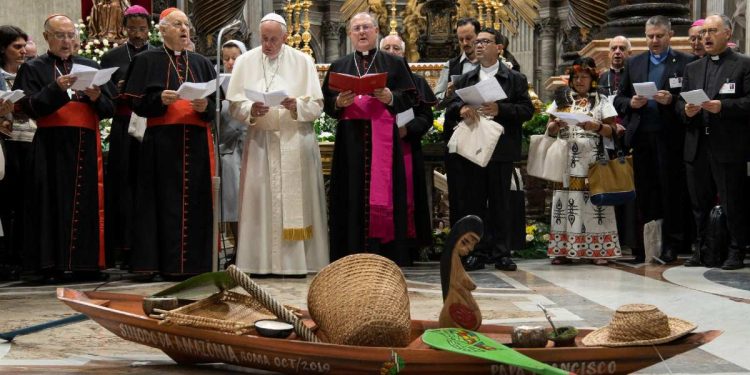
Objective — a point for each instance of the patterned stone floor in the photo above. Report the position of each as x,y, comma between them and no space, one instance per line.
582,295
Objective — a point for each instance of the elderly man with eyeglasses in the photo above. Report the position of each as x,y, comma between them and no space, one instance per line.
485,191
369,201
717,139
65,201
120,176
173,206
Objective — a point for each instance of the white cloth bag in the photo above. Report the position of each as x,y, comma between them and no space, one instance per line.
555,161
652,239
476,142
137,126
538,146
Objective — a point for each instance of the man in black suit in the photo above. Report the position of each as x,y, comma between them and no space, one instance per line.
654,132
485,191
717,141
466,32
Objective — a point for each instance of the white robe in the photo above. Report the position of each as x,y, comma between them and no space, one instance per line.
262,248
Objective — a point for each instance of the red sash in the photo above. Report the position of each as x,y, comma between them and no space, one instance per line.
75,114
178,113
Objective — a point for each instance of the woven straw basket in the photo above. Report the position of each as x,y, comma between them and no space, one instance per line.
226,311
361,300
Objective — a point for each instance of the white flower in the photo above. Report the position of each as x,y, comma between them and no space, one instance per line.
545,237
80,52
529,237
105,42
80,20
96,41
114,45
76,25
105,50
97,50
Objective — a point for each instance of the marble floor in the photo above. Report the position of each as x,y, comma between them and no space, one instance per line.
582,295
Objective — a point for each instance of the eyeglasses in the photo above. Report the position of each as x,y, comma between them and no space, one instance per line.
711,31
63,36
482,42
179,24
361,28
138,29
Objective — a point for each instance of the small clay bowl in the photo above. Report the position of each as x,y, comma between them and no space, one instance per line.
161,303
273,328
566,336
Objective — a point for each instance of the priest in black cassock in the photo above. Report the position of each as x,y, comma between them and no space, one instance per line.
411,134
65,215
173,209
368,196
123,148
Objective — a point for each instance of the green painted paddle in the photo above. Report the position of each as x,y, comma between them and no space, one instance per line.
475,344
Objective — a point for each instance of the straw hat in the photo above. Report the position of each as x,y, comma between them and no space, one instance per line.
639,324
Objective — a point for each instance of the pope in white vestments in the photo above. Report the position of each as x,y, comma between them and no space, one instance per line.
283,223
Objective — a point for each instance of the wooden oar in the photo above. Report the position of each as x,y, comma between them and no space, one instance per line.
10,335
475,344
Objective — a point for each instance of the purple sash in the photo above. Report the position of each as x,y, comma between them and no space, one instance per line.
381,163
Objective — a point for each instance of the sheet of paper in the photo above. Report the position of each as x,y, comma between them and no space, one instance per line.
270,99
225,83
647,89
485,91
572,118
696,97
13,96
87,76
404,117
196,90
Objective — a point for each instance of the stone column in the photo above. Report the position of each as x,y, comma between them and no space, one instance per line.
331,30
548,28
630,19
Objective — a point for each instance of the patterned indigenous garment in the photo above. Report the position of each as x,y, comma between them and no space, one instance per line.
578,228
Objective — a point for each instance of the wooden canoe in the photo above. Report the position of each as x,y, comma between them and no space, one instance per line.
122,314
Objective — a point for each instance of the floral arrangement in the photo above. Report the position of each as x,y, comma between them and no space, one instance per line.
537,240
325,128
435,134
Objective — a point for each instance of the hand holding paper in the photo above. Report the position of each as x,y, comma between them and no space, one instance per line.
87,76
573,118
197,90
270,99
485,91
647,89
696,97
12,96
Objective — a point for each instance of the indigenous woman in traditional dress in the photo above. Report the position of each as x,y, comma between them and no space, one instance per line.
578,228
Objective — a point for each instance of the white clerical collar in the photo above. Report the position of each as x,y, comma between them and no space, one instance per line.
715,57
492,69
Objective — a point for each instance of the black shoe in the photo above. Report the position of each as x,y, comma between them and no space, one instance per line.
667,256
694,261
473,263
505,264
735,260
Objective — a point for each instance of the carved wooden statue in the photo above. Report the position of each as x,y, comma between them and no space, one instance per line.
106,20
460,310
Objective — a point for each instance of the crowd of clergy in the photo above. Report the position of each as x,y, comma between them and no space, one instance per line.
151,210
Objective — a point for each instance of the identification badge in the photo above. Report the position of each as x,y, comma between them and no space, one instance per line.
727,88
675,82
